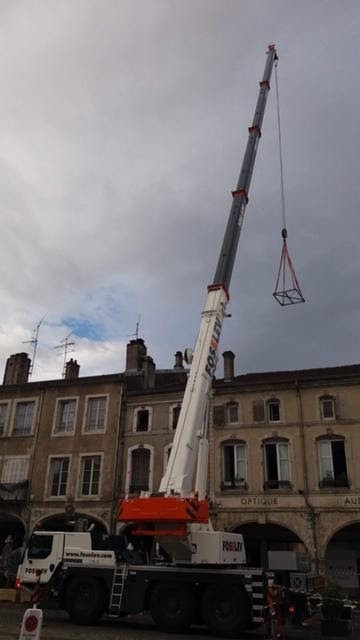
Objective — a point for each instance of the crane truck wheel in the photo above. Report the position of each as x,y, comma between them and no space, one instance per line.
226,610
172,606
85,600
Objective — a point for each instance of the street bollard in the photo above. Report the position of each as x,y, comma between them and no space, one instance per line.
31,624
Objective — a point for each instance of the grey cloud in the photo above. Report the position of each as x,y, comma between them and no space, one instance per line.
122,136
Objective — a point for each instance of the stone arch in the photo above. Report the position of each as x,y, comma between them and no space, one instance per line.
260,538
12,524
346,522
342,556
273,521
60,521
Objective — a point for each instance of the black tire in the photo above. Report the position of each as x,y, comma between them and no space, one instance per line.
226,610
85,600
172,606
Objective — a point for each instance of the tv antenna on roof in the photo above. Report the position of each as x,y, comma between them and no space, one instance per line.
136,334
65,343
34,341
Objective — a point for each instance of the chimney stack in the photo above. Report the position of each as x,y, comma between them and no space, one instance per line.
148,366
72,369
178,360
135,353
228,365
17,369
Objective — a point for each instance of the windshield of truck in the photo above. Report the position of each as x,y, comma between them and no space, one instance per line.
40,547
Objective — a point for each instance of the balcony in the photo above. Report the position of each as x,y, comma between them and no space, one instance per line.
234,485
340,481
279,485
14,491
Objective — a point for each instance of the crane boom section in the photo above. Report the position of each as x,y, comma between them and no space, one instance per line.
232,233
179,477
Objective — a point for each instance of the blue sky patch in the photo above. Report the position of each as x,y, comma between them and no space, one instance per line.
85,328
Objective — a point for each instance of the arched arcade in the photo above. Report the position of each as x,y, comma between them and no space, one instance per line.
262,539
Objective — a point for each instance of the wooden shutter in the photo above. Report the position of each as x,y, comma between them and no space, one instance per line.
258,411
219,415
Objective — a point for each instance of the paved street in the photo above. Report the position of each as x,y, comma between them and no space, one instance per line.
58,627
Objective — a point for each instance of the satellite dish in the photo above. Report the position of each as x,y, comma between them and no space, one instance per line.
188,355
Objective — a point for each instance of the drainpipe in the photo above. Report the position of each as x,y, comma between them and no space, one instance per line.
306,482
119,445
31,465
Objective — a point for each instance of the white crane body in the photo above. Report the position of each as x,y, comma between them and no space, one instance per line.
186,471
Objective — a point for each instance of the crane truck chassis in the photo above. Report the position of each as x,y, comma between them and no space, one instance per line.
200,577
89,582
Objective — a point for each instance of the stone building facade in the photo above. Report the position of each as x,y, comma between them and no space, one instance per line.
283,459
283,453
284,467
58,449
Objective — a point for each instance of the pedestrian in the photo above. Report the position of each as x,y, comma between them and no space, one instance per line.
274,612
6,558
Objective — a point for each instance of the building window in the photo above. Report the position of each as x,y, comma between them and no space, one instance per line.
95,414
90,475
234,465
226,414
15,470
277,465
233,413
3,417
65,416
174,416
142,419
333,468
273,410
266,411
23,421
58,477
327,408
140,470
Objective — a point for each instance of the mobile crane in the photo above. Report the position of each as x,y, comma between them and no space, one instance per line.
201,577
181,507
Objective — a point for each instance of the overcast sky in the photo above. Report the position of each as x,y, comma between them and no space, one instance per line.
123,126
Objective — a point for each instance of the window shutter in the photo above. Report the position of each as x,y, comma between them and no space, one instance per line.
326,461
259,411
219,415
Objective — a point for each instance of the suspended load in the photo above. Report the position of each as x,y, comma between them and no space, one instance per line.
287,289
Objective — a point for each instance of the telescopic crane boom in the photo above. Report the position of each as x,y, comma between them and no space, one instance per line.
182,494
